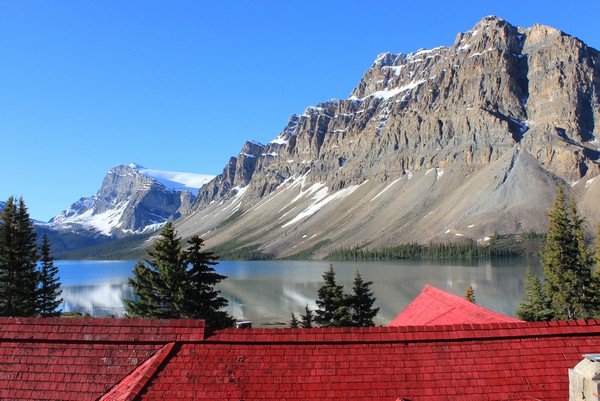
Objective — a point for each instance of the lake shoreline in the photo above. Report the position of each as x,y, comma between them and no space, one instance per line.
269,291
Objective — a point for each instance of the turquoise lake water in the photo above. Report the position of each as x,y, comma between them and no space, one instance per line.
268,291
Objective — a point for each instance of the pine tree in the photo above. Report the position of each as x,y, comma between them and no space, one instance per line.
470,294
333,303
361,303
204,301
160,282
294,324
595,285
584,267
306,320
18,260
597,248
49,291
534,305
568,277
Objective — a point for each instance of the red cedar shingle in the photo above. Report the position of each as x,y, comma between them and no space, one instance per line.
83,359
434,365
436,307
28,369
131,385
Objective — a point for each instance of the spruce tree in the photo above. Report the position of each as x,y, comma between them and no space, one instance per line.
333,303
597,248
595,286
160,282
18,260
584,267
534,305
470,294
48,296
361,303
294,324
568,277
204,301
306,320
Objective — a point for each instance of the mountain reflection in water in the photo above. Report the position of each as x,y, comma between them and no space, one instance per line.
269,291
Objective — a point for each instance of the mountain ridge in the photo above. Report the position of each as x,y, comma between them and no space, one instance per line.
452,143
502,102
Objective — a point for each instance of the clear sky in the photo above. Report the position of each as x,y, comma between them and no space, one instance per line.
181,85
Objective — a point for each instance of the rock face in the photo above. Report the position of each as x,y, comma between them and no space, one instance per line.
459,141
128,202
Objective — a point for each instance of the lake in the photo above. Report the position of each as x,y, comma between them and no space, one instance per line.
268,291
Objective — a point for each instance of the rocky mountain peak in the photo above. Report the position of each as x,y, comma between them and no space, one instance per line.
463,140
541,35
128,201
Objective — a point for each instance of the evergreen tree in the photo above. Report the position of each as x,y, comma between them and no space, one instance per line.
333,303
595,285
534,304
174,284
584,267
597,248
361,303
18,260
49,291
204,301
470,294
568,276
306,320
294,324
160,282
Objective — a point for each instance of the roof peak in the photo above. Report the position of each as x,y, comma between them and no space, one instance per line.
434,306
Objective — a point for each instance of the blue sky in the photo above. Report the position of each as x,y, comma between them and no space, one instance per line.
180,85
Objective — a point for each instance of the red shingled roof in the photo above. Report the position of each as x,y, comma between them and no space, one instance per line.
435,307
130,359
130,387
79,359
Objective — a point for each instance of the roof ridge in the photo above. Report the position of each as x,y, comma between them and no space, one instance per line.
449,332
132,384
120,330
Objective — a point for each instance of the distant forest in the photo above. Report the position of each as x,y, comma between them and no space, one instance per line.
498,246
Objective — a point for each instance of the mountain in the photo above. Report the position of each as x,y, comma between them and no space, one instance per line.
131,200
450,143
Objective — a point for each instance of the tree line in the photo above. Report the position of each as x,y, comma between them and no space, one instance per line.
571,289
29,282
450,250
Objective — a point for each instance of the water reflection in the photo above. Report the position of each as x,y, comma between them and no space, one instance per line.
268,291
104,299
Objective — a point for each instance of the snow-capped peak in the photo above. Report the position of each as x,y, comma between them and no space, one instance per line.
175,180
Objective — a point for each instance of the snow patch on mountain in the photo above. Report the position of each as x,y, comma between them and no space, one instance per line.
103,222
385,189
280,140
321,198
389,93
174,180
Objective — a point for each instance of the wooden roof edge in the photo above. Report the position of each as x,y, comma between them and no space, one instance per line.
134,383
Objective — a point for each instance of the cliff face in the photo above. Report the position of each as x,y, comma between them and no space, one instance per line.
459,141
